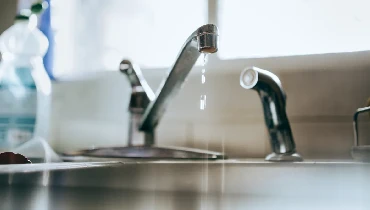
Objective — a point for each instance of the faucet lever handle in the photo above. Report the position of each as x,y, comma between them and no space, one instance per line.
136,78
127,68
141,93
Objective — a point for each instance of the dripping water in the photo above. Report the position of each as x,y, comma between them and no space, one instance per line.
203,104
203,95
223,162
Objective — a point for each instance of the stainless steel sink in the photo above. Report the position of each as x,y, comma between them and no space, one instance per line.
224,184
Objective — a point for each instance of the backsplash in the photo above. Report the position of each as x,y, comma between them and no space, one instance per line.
320,105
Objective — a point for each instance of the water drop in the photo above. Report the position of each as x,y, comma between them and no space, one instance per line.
203,102
203,79
203,97
205,59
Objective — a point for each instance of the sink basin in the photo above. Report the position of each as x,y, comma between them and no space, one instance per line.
223,184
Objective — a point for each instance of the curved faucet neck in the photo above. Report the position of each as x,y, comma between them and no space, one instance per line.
203,40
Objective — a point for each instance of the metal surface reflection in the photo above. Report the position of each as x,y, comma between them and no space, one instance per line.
273,100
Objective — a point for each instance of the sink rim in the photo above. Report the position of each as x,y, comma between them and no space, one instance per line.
86,163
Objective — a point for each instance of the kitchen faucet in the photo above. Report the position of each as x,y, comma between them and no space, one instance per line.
146,108
273,100
203,40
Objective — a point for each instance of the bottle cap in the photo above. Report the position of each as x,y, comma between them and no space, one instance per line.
36,8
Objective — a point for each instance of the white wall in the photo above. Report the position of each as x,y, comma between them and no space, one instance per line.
323,93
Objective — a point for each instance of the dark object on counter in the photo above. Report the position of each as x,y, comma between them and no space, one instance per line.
12,158
359,152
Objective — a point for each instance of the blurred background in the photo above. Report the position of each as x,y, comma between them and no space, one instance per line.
319,49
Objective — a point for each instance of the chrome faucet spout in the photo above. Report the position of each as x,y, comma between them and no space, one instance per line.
273,99
203,40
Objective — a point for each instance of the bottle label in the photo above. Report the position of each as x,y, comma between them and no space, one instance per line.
18,103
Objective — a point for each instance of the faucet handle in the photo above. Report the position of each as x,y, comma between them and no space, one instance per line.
132,73
141,93
136,78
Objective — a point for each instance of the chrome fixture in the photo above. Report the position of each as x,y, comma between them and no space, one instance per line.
273,100
203,40
359,152
141,96
146,109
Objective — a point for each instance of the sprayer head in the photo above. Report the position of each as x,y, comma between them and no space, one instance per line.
249,77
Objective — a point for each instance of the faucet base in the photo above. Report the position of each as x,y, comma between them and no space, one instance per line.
293,157
149,152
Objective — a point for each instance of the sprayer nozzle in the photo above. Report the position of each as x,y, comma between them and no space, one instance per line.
248,78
